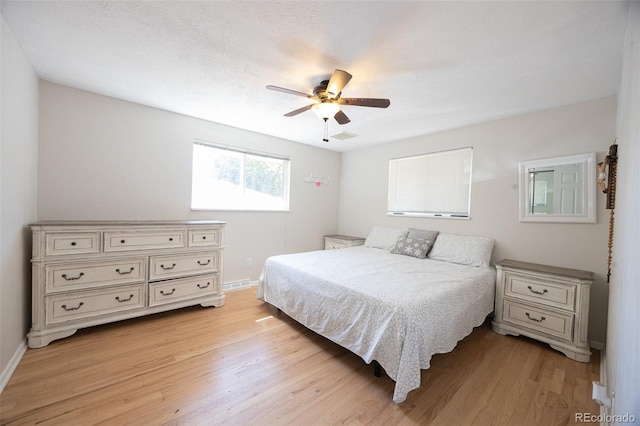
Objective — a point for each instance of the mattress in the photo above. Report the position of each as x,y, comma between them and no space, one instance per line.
395,309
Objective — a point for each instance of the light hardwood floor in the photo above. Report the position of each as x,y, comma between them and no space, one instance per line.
248,364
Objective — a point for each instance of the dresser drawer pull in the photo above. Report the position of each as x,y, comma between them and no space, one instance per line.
122,241
534,319
202,287
73,243
204,264
170,239
168,268
204,237
72,309
124,300
125,272
73,278
536,291
173,290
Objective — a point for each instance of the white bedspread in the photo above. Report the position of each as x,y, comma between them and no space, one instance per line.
395,309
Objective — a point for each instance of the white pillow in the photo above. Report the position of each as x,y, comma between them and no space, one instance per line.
384,237
463,249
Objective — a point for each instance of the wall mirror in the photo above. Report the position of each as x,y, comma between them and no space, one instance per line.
561,189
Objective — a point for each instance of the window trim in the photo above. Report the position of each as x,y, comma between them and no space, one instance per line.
241,150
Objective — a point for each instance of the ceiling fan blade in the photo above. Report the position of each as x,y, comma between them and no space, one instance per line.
366,102
341,117
338,80
299,110
289,91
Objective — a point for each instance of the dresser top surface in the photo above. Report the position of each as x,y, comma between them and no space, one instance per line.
555,270
122,223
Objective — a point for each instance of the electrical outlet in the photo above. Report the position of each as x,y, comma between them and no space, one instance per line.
249,262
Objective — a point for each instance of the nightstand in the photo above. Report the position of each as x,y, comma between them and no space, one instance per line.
546,303
337,241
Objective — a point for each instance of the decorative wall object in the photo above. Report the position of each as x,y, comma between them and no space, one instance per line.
611,163
318,180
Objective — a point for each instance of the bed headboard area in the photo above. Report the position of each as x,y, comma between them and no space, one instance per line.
421,243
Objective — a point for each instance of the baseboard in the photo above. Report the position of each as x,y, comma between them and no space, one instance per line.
596,345
12,365
238,285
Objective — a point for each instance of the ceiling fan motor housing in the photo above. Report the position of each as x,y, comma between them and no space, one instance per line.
321,92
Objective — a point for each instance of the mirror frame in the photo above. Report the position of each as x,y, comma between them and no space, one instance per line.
588,162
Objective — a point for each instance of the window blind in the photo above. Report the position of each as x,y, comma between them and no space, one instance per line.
433,184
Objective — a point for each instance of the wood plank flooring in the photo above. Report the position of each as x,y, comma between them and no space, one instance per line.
248,364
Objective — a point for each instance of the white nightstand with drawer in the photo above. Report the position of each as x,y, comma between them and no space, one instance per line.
546,303
337,241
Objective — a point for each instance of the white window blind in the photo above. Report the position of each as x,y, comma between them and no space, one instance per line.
435,184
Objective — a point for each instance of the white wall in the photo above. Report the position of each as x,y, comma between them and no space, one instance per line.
498,146
18,178
102,158
623,339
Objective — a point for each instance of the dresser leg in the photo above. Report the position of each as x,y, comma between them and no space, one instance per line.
581,355
216,302
39,339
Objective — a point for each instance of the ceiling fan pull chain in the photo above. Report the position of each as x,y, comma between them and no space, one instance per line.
326,130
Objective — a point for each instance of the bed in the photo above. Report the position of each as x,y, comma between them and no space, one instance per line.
384,305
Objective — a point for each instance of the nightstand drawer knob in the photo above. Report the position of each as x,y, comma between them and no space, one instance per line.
534,319
536,291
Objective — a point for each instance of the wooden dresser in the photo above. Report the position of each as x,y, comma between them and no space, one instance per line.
89,273
546,303
336,241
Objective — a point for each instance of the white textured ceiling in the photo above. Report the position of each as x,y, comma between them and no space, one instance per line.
443,64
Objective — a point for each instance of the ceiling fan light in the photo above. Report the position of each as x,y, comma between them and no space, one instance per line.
326,110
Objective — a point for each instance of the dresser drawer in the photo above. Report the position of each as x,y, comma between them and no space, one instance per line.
143,240
75,306
64,243
181,289
539,319
80,275
544,291
203,238
162,267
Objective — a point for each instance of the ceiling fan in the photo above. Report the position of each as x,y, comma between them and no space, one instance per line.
328,99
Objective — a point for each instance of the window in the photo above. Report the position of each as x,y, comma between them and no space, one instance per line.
230,178
435,185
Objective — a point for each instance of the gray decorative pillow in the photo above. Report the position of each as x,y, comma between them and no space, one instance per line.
424,235
416,247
